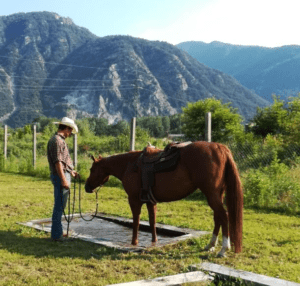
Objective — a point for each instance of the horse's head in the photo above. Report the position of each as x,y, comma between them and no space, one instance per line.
97,177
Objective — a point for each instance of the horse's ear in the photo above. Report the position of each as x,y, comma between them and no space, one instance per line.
93,158
100,157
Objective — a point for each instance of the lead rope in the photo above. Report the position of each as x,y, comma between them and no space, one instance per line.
70,217
93,216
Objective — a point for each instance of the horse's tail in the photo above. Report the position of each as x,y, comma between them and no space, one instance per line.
234,201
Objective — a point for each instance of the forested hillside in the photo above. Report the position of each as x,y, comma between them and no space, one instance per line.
49,66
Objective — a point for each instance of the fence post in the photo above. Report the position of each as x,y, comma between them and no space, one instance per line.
132,134
34,146
75,150
208,127
5,142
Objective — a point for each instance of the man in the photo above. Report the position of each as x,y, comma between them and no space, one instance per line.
61,168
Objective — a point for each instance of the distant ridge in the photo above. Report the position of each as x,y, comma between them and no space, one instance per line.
266,71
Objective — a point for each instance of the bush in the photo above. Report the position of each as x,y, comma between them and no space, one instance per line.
271,187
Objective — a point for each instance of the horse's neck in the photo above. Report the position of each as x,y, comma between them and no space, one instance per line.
116,165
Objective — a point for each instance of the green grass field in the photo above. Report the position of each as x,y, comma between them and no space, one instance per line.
271,243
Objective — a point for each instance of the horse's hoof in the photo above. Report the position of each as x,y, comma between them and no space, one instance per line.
135,242
221,254
209,248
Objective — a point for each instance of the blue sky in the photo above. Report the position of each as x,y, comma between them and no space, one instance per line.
269,23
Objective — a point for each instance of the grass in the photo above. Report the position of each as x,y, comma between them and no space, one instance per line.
271,241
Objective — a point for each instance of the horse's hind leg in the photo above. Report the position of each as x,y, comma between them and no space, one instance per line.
220,219
152,220
214,239
135,206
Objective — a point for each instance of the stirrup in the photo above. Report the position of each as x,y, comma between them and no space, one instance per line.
147,197
144,196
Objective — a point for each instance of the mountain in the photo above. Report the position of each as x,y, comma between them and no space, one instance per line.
49,66
266,71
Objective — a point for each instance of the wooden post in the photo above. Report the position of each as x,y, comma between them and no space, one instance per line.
34,146
208,127
132,134
5,142
75,150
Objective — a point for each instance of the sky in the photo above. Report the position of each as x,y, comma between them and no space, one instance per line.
267,23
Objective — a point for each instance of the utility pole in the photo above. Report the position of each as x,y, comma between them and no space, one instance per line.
5,142
34,146
132,133
75,150
208,127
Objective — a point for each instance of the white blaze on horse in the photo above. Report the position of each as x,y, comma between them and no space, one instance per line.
201,165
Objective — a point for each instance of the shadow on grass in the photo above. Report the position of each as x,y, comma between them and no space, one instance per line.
45,247
41,247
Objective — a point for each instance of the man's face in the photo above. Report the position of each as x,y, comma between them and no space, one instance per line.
69,131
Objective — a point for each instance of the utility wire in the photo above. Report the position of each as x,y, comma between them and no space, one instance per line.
96,68
63,79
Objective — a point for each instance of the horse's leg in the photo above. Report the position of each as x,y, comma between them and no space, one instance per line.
152,220
136,211
214,239
221,219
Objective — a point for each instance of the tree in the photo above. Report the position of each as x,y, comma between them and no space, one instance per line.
271,119
175,124
121,127
101,126
225,121
166,123
290,124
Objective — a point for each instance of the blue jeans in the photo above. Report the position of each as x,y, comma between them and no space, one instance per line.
60,201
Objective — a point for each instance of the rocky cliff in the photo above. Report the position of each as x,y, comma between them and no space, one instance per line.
49,66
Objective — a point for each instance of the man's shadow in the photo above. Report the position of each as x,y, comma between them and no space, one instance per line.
45,247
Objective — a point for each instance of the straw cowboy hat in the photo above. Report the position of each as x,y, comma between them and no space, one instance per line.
68,122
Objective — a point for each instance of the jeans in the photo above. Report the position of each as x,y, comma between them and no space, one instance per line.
60,201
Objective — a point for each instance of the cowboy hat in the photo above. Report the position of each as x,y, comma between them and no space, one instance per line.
68,122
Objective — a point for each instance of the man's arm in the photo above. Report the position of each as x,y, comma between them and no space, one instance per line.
61,174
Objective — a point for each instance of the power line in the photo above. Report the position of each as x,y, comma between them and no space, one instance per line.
91,89
97,68
54,63
64,79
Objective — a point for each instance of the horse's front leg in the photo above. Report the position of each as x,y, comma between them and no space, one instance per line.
135,206
152,220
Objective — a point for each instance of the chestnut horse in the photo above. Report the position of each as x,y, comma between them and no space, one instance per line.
207,166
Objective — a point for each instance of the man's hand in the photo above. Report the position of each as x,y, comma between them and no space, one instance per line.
65,184
75,175
61,174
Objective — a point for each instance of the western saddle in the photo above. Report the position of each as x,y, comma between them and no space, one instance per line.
154,161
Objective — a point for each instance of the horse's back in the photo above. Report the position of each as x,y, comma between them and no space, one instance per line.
201,165
205,163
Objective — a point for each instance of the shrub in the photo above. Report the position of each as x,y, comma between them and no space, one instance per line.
271,187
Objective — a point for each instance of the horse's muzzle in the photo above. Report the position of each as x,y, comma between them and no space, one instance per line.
88,189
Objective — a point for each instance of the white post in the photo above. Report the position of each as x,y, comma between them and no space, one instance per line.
132,134
208,127
5,142
34,146
75,150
